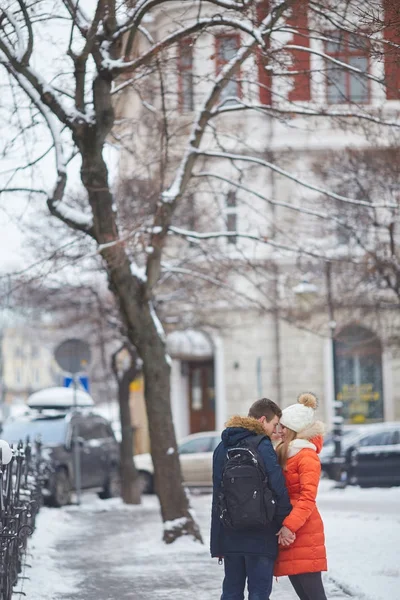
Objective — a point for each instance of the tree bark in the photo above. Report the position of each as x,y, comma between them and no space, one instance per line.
142,330
130,484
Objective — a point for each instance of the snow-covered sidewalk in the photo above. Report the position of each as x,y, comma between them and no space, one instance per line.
105,550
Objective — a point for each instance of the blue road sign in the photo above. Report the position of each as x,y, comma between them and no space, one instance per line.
83,382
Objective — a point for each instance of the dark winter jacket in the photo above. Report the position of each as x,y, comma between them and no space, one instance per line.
264,540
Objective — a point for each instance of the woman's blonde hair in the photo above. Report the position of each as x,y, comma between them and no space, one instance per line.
282,449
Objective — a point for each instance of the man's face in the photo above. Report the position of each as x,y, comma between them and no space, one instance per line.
269,426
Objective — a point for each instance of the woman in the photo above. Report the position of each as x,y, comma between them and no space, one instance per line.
304,559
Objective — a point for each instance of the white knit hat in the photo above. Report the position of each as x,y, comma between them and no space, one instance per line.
299,416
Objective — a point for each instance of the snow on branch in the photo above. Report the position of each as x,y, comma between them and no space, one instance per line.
298,180
288,205
79,18
185,168
32,81
230,4
212,235
172,269
343,65
157,323
118,66
294,109
71,217
171,196
47,114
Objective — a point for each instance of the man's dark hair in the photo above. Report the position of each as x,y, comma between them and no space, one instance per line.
264,408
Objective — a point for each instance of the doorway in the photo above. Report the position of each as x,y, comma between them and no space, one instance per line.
201,396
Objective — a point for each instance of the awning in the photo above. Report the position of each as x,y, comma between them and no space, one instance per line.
189,344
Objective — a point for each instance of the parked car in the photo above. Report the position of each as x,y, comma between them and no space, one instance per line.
375,461
328,451
195,455
57,426
371,455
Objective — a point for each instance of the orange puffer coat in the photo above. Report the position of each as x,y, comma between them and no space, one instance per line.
307,554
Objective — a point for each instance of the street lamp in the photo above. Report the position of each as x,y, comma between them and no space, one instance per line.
307,292
337,405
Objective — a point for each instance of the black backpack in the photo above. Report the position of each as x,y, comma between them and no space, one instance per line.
245,501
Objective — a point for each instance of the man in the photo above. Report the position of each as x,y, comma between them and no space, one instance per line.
249,554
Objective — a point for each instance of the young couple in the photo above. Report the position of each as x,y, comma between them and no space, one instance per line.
293,544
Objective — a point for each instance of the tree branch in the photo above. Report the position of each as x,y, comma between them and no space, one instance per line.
306,184
171,196
117,67
212,235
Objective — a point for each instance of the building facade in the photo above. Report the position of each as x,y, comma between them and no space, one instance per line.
280,120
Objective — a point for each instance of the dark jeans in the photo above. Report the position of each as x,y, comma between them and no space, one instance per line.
308,586
258,570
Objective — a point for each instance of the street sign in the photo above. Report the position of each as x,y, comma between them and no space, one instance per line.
73,356
82,380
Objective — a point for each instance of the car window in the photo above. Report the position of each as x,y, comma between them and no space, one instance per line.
100,430
85,428
396,437
200,444
93,428
50,430
378,439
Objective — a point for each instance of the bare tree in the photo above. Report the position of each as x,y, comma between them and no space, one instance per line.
124,365
99,51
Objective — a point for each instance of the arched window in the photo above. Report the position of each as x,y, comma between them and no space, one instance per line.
359,374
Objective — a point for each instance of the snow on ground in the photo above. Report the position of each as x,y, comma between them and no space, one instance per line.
362,528
45,579
123,556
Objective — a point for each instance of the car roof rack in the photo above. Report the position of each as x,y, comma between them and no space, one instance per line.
59,399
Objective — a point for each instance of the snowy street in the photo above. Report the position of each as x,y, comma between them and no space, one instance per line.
105,550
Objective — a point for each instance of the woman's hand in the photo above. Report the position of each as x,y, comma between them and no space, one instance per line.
285,536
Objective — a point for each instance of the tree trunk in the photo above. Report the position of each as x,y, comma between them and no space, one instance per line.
130,484
167,471
144,334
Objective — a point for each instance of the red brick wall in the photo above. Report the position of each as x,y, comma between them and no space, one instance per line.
391,33
301,90
264,77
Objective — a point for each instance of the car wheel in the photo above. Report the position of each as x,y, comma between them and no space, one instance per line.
146,483
112,487
61,495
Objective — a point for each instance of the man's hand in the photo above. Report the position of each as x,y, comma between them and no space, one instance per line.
285,536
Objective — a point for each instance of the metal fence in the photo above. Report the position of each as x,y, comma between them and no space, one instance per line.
21,482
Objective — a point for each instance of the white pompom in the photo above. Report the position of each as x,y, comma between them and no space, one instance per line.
6,452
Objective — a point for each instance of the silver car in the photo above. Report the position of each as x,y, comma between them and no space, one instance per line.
195,455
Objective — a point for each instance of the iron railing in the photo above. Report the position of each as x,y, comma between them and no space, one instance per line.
21,483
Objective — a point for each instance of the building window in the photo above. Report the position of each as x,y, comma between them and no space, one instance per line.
344,85
185,77
231,215
227,46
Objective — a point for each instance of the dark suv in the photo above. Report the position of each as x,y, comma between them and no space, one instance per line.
99,451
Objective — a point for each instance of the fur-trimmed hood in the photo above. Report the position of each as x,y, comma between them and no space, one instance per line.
311,437
247,423
239,428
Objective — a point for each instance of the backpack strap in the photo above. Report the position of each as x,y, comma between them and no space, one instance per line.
255,440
